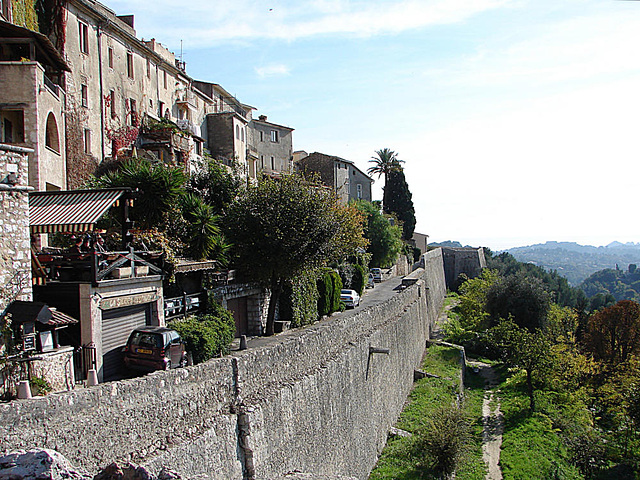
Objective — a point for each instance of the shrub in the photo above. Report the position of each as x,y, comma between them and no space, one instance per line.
329,286
39,386
359,279
207,335
299,300
444,438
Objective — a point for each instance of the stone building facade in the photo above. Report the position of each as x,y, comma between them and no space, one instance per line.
347,180
15,259
270,146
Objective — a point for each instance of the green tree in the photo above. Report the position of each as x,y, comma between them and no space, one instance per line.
203,236
397,200
279,228
525,349
158,189
385,242
385,162
216,185
520,297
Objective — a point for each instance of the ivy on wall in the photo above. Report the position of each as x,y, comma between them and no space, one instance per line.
299,301
24,14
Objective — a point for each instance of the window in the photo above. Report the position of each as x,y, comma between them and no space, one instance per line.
274,136
112,101
273,163
198,148
148,68
359,190
130,73
242,134
84,92
52,141
261,136
134,112
237,132
87,140
83,32
110,57
262,162
160,108
165,79
4,9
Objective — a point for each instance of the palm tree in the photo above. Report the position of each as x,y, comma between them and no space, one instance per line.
385,162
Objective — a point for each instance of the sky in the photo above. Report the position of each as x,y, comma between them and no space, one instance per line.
518,120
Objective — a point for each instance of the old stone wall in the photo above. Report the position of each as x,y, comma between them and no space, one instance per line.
15,256
316,400
469,261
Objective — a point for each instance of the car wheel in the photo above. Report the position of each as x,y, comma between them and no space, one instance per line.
183,361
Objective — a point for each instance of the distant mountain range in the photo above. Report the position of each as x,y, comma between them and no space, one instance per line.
576,262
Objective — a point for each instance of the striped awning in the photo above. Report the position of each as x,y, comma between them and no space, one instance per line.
70,211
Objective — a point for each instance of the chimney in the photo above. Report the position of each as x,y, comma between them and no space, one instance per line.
262,118
128,19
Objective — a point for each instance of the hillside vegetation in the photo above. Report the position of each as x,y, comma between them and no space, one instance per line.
576,262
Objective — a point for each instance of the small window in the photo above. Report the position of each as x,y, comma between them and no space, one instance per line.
165,79
110,57
359,190
273,163
237,132
274,136
112,101
198,148
134,112
84,91
262,162
261,136
130,73
83,32
242,134
87,140
160,109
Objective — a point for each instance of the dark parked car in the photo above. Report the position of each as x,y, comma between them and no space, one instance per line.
154,348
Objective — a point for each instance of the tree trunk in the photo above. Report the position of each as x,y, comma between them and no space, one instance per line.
276,289
532,403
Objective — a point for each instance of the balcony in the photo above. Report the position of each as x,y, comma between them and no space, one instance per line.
188,126
187,99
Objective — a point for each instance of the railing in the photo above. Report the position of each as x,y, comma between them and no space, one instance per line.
55,89
96,266
180,307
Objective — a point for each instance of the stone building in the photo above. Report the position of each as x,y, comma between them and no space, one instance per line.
347,180
32,102
270,146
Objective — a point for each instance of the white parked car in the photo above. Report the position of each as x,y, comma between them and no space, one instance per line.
350,298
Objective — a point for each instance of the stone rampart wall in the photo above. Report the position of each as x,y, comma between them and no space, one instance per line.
313,400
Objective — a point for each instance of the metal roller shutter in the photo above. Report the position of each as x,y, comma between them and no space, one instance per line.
117,324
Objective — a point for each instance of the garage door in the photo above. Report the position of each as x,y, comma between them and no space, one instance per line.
117,324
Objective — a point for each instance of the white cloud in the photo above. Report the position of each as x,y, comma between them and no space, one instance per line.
202,23
273,71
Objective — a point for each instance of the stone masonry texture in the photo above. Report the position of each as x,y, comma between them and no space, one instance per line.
314,401
15,256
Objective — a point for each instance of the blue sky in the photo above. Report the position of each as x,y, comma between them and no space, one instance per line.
518,120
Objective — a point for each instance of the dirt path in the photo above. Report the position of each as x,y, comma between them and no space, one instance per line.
492,421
